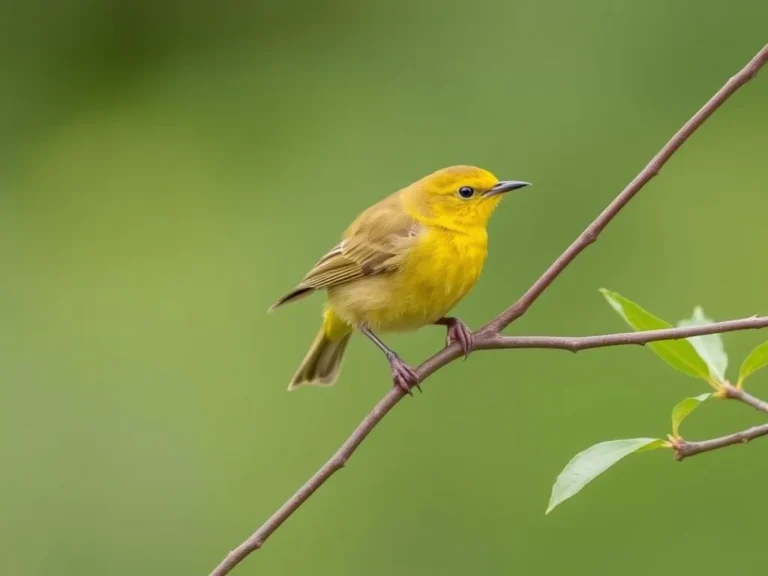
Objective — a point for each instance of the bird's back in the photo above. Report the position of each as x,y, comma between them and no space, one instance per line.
374,244
435,270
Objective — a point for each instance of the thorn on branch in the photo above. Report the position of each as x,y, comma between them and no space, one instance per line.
591,234
340,462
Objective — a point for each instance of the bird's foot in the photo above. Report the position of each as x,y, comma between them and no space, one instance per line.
460,332
403,375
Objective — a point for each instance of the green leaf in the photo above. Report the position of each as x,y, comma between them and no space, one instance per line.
680,354
656,444
587,465
757,359
709,347
682,409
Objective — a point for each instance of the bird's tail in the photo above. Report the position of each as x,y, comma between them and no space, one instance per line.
322,363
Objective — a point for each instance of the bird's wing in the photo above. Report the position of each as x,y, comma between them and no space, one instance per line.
375,243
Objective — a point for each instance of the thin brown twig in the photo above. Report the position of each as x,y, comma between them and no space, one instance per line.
742,395
685,449
486,341
576,343
653,168
492,329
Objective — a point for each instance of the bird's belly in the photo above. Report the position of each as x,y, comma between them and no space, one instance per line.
434,277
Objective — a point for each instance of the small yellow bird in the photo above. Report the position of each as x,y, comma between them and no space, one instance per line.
402,264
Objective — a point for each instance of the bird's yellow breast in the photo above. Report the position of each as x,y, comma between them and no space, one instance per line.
439,269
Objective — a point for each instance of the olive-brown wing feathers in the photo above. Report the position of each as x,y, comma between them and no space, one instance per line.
375,243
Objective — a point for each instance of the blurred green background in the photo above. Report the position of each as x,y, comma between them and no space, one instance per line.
168,169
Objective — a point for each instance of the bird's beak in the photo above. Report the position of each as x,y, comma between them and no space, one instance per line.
506,186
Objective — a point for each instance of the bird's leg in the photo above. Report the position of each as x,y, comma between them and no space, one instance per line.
458,332
403,375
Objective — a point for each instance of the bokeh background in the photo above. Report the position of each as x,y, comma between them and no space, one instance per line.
168,169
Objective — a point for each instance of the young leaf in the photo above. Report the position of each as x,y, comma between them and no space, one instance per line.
709,347
680,354
682,409
757,359
587,465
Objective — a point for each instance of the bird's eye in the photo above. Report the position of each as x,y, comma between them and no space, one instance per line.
466,192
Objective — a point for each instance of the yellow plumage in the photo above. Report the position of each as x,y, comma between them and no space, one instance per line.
403,263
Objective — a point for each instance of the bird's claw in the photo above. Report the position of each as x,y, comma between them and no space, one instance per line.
403,375
460,332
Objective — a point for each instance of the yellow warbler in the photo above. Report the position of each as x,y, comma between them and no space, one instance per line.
402,264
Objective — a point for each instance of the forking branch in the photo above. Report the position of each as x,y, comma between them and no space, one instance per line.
489,337
684,449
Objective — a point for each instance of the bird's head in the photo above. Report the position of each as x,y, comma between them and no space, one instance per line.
459,197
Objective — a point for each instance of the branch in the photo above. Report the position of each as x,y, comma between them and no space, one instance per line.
684,449
743,396
652,169
490,332
491,341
